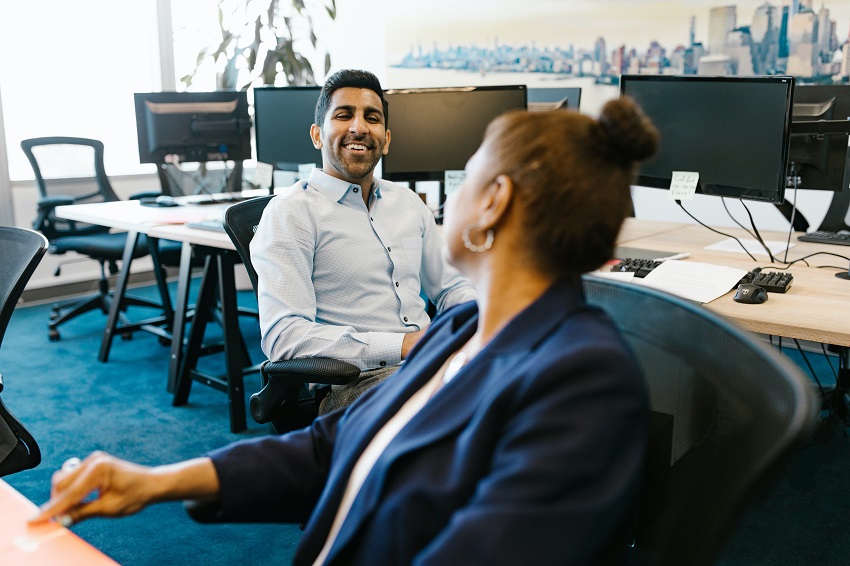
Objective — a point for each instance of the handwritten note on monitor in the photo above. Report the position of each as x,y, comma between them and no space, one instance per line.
683,185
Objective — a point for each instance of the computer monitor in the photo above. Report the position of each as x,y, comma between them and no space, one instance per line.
193,126
282,120
819,137
733,131
435,130
554,98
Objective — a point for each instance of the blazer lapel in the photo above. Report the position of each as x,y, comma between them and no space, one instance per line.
455,404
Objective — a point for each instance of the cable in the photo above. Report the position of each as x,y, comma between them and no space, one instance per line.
716,231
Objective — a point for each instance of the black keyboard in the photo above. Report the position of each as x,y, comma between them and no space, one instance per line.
640,267
770,281
207,224
842,237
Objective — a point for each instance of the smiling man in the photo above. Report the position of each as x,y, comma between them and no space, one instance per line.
344,259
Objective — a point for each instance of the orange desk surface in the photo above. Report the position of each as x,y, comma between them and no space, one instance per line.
48,544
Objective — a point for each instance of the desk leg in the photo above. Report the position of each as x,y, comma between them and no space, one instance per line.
118,296
204,303
184,282
234,353
161,283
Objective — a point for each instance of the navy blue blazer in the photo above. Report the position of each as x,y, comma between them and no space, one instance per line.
532,454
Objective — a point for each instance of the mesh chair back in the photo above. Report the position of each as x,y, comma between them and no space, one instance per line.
21,251
240,223
737,408
68,167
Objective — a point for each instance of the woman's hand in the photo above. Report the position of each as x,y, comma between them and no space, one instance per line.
106,486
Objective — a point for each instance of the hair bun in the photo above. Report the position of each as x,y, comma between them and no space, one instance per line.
627,130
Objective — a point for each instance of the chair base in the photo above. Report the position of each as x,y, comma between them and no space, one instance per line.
102,300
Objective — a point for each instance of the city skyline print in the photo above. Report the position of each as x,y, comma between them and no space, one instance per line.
541,41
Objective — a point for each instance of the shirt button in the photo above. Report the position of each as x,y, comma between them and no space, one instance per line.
382,364
396,283
389,249
405,319
356,189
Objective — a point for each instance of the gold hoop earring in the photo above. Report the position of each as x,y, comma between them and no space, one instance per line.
467,243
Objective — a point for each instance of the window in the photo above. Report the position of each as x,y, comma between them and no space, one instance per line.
71,68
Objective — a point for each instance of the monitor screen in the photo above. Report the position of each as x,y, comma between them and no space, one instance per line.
193,126
819,158
282,120
733,131
554,98
437,130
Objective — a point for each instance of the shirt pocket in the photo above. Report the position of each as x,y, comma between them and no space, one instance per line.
413,253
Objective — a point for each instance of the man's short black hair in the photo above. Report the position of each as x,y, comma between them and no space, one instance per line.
348,78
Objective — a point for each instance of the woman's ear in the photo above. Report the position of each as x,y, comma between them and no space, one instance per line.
496,201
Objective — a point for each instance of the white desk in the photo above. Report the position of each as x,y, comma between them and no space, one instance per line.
217,286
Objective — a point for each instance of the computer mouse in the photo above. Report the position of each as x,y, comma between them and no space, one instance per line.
750,294
165,200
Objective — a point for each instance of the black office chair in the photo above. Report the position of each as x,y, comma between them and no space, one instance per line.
22,250
51,159
284,401
727,410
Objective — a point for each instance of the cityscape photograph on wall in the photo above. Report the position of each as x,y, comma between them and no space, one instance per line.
593,42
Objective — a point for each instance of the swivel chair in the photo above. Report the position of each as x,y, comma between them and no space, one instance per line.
737,408
284,400
22,250
51,158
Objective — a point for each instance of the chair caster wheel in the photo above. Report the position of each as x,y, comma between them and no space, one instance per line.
164,341
127,336
54,315
53,335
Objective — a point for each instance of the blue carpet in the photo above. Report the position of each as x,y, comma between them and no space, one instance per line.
74,404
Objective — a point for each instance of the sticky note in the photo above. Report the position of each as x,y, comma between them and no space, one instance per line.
683,185
263,175
453,180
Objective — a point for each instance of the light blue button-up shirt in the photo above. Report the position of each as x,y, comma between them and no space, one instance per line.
342,281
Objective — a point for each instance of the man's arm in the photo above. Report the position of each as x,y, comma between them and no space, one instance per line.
444,285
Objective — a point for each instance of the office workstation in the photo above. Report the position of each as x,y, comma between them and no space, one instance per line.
815,290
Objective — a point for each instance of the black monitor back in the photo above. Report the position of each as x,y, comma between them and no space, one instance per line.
193,126
552,98
820,160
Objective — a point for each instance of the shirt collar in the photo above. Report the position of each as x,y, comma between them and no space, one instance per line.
336,189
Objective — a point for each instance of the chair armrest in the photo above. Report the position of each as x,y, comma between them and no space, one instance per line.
145,194
49,203
281,377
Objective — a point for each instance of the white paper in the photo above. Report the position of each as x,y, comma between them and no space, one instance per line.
701,282
752,245
683,185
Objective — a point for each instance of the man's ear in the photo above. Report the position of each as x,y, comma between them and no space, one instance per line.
316,136
387,137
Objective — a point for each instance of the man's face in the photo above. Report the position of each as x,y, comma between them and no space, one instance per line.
354,135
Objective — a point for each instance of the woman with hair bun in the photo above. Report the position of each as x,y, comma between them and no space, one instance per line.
514,433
